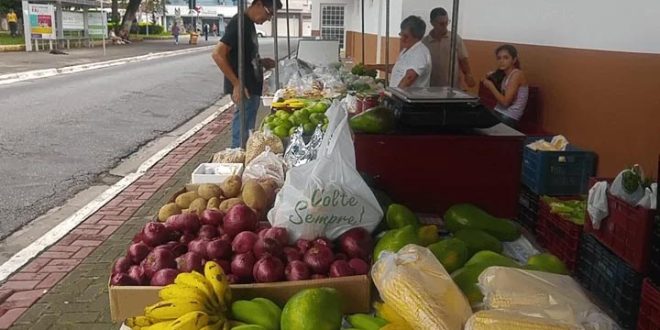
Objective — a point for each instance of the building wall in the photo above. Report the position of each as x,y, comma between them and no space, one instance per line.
595,62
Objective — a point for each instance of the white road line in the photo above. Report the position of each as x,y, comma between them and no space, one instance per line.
44,73
51,237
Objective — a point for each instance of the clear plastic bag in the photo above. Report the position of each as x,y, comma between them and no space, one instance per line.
650,198
416,285
259,141
552,296
627,191
236,155
266,166
509,320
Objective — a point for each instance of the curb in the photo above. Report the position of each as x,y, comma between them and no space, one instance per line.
36,74
12,48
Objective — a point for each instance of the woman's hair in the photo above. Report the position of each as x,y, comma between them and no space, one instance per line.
498,76
415,25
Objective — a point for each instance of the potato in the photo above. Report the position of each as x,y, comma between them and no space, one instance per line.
168,210
183,201
254,196
232,186
214,203
229,203
198,206
209,190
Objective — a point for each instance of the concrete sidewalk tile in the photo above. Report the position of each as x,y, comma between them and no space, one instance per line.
25,276
57,255
51,280
10,317
22,299
5,293
84,252
36,265
20,285
83,243
63,248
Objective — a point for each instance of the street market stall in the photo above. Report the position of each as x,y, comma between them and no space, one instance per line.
343,186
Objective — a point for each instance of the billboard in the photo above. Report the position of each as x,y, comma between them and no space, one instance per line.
73,20
97,22
42,21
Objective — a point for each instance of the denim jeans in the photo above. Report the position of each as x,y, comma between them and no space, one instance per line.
251,108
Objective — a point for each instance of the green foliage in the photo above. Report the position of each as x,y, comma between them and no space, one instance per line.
153,28
5,5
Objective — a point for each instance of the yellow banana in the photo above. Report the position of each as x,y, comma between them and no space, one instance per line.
385,311
216,276
190,321
165,325
178,291
173,309
138,321
197,280
214,326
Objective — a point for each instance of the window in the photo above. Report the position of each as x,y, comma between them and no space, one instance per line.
332,23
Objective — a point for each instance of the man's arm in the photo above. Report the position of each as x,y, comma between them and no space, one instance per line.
221,57
408,79
467,71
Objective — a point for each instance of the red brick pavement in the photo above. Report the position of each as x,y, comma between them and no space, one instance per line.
30,283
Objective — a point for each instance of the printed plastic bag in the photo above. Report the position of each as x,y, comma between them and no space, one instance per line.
551,296
415,284
266,166
327,196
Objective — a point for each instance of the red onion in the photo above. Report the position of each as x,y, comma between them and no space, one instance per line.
291,254
340,256
208,232
244,242
268,269
233,279
164,277
138,237
189,262
340,268
239,218
218,249
267,246
137,274
185,223
122,279
359,266
296,271
318,276
319,258
187,238
279,234
242,265
199,246
303,245
121,265
225,265
226,238
155,234
357,243
212,217
138,251
261,226
158,259
177,248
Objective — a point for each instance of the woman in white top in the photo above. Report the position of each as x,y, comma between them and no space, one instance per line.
413,67
509,86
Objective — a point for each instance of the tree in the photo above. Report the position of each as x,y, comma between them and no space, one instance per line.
129,16
5,5
115,11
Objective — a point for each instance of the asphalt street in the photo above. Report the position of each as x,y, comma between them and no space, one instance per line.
58,135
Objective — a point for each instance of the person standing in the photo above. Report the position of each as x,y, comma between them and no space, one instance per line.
439,43
225,56
175,33
206,29
12,19
215,30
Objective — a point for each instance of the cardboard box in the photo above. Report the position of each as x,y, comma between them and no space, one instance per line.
129,301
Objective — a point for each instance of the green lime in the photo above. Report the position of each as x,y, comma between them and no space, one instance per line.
282,114
309,128
281,131
292,130
303,112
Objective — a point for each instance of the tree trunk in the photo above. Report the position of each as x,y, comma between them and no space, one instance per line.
115,11
129,16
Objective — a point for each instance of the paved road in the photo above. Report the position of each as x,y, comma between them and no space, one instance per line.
57,135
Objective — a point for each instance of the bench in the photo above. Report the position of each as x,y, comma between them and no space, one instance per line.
531,122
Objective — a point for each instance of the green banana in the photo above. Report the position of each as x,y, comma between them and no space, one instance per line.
258,311
366,322
249,327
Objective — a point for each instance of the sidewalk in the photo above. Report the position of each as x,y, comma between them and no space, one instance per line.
14,62
65,287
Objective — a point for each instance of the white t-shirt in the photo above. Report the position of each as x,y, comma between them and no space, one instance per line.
417,58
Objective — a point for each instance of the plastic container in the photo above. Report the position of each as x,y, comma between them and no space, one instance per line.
215,172
649,307
626,230
528,207
610,279
557,173
654,262
558,235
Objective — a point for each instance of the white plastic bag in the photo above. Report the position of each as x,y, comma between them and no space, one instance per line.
618,188
266,166
327,196
650,198
597,203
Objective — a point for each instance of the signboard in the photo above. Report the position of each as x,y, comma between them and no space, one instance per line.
73,20
97,22
42,21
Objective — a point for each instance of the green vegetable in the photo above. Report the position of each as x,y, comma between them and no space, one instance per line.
398,216
395,239
468,216
376,120
478,240
452,253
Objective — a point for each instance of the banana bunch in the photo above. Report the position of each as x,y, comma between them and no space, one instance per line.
256,314
389,314
193,302
366,322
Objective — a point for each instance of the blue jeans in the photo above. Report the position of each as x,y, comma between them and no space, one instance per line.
251,108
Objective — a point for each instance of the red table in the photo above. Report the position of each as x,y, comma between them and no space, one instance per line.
429,173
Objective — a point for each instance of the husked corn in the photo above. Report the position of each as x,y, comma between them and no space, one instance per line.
501,320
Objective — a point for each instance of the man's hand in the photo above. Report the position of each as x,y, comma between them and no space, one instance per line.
236,94
469,80
268,63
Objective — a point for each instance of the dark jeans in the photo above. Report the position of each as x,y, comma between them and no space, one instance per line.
13,28
506,120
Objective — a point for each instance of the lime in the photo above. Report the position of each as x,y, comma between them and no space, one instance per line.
282,114
281,131
309,128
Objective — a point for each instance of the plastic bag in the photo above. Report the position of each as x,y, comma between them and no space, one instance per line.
266,166
509,320
327,196
627,185
597,204
552,296
297,149
259,141
314,144
650,198
416,285
558,143
236,155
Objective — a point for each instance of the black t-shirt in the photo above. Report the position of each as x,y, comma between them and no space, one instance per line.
254,75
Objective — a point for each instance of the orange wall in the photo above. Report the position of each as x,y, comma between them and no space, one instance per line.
354,46
608,102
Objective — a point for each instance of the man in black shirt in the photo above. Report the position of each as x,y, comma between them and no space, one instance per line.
225,56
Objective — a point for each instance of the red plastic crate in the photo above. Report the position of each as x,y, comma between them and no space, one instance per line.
559,236
649,307
626,230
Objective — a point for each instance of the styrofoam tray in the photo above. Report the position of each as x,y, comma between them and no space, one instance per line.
215,172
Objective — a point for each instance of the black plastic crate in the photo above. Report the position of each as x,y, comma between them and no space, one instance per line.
613,282
528,209
654,260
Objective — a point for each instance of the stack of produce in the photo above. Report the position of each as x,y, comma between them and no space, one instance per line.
312,114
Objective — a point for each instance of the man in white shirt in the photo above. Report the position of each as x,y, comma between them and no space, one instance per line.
413,68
